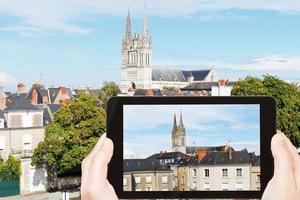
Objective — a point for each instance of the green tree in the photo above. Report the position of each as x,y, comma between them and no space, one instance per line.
10,169
108,90
287,101
70,138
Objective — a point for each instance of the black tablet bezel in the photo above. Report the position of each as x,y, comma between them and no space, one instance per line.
115,132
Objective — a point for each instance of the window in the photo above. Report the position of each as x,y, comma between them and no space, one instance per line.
225,172
182,180
225,186
206,186
27,142
239,186
124,181
239,172
194,185
258,178
165,189
164,179
206,172
149,188
138,189
2,143
148,179
137,179
194,172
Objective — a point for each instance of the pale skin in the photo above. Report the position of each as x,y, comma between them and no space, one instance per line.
285,183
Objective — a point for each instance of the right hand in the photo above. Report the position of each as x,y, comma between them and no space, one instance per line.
285,184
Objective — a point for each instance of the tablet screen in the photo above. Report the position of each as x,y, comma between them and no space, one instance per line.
191,147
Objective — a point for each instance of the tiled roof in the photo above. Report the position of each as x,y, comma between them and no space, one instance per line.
219,158
132,165
53,92
166,155
1,114
54,107
193,149
143,92
203,85
174,75
39,88
20,103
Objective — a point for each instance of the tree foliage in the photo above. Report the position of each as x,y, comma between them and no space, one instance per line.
108,90
287,101
70,138
10,169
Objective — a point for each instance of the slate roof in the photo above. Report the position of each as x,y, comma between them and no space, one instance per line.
53,92
174,75
193,149
203,86
133,165
46,117
1,114
92,92
143,92
54,107
20,103
218,158
167,155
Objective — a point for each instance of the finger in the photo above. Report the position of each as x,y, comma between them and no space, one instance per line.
295,160
283,170
98,167
85,165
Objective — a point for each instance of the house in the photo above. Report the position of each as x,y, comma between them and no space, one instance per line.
215,88
146,175
215,171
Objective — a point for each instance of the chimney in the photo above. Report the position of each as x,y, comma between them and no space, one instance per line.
230,153
20,88
34,97
201,153
149,93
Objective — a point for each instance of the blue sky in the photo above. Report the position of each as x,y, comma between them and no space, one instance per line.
147,129
77,43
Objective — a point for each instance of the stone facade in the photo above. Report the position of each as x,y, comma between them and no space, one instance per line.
178,136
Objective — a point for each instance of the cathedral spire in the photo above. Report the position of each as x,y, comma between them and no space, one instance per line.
174,123
181,120
145,22
127,38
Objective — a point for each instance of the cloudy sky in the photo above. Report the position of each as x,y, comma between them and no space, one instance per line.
77,42
147,129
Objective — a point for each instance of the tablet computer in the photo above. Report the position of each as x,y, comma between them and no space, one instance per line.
190,147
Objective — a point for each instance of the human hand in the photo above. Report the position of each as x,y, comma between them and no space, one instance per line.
94,184
285,184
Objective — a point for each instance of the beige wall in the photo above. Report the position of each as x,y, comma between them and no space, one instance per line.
255,181
216,179
154,183
14,141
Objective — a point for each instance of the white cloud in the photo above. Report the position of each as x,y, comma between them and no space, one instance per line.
268,63
56,15
7,80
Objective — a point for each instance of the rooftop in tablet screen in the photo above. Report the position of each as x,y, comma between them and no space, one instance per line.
190,152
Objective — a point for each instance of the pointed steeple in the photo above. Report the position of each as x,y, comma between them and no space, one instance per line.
145,22
127,38
174,123
181,120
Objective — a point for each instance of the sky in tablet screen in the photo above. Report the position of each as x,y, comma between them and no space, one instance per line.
147,128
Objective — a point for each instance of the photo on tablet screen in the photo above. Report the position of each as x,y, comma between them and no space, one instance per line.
191,147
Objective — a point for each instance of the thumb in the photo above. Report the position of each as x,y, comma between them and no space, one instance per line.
283,169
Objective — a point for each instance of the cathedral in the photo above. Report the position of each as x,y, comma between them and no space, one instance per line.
137,71
178,136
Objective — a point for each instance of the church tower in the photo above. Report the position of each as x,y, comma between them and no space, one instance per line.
136,53
178,135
